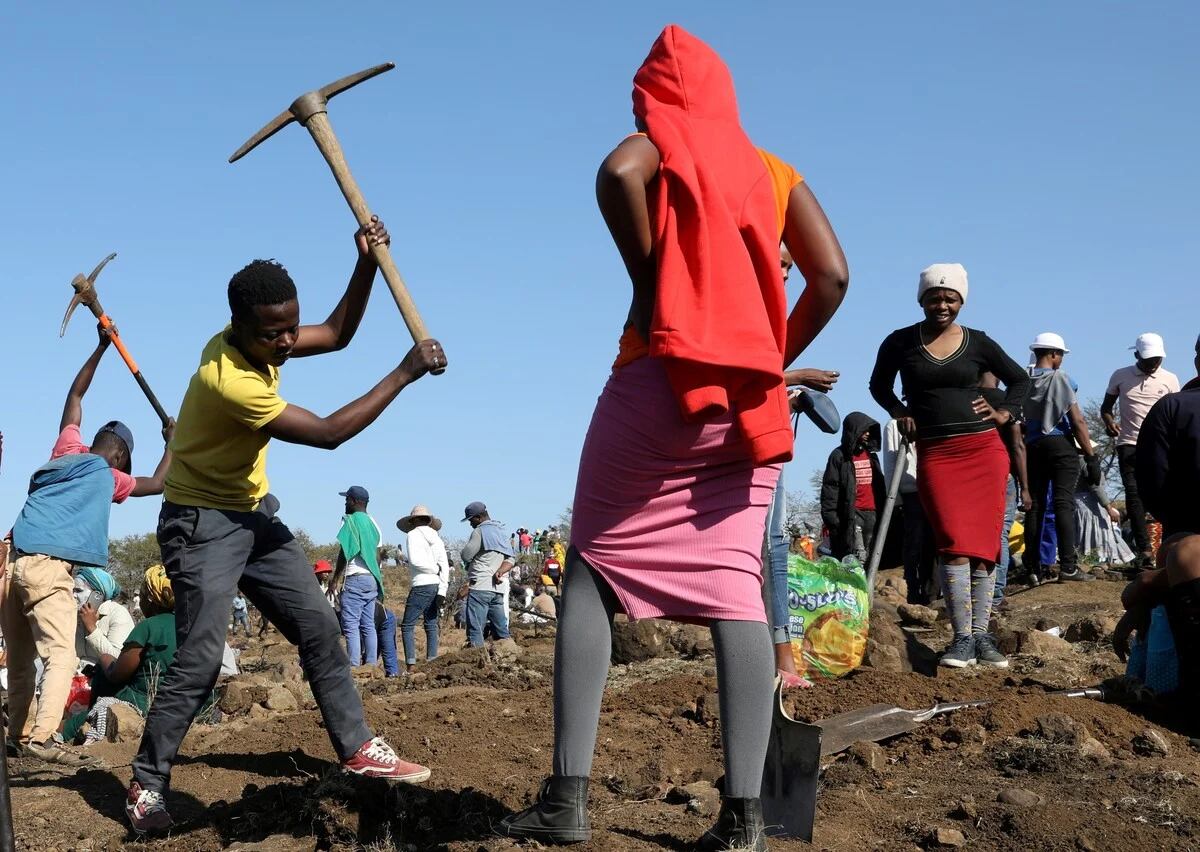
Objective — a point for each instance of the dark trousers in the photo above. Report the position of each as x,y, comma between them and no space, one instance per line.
1053,462
919,555
209,554
1133,502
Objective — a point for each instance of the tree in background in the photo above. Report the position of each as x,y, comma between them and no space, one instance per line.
315,552
1106,450
564,527
129,557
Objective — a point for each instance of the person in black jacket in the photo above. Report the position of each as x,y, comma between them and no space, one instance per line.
1168,477
852,490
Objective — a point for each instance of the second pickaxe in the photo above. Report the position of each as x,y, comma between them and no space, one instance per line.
85,294
310,110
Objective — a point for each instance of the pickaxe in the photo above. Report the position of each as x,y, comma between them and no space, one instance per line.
310,110
85,294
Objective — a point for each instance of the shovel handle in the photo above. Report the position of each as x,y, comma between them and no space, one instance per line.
327,143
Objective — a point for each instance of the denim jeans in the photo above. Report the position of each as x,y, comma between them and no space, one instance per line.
420,604
387,644
777,560
1010,515
485,607
358,619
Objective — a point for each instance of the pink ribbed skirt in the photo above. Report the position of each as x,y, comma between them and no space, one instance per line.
670,513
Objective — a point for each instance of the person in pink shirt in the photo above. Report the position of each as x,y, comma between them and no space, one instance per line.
1136,388
63,525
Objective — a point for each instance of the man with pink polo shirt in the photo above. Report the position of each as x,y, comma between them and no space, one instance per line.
1137,388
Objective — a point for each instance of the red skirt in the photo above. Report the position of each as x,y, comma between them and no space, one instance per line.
961,482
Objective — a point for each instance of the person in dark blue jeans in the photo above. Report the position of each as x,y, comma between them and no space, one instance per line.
424,602
385,629
489,560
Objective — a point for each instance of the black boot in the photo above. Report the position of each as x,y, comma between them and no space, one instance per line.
558,816
739,826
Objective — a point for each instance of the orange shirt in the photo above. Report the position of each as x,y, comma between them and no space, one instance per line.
784,178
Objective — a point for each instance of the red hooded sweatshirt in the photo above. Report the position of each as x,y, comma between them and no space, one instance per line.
720,317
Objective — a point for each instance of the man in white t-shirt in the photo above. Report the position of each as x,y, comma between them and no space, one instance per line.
430,567
1137,388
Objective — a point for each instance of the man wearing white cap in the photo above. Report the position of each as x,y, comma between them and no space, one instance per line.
1053,426
1136,388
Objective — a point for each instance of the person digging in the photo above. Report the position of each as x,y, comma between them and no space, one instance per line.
218,529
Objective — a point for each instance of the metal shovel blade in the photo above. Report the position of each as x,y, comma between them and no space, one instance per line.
789,789
877,723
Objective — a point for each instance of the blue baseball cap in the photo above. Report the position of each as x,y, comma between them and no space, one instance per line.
121,431
357,493
473,509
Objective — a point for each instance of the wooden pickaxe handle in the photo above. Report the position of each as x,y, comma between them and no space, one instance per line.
322,133
115,337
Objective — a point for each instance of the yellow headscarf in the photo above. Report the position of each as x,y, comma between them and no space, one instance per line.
158,586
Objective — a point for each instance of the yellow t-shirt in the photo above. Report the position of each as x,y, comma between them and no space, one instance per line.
220,452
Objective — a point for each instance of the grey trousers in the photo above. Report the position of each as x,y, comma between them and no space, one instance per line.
208,554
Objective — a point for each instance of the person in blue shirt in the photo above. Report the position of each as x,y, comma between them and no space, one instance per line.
1055,434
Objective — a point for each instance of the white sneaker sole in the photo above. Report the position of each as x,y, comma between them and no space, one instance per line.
411,778
956,664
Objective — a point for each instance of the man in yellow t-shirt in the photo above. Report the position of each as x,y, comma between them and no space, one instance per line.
218,529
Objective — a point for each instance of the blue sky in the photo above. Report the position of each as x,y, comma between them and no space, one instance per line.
1048,147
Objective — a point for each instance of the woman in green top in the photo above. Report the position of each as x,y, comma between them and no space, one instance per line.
131,677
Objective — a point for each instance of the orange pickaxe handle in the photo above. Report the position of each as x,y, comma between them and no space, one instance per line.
115,337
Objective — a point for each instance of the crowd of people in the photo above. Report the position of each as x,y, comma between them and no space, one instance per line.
680,474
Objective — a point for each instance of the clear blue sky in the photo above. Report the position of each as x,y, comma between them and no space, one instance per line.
1048,147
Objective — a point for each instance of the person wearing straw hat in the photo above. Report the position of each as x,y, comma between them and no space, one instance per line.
1136,388
430,567
1054,424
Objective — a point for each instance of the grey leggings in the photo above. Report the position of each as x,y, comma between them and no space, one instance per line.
583,647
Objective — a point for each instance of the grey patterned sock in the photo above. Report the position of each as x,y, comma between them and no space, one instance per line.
956,588
983,584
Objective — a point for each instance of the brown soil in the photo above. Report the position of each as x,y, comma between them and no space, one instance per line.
484,725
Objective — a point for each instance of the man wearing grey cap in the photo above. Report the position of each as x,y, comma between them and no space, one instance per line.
1137,388
63,524
488,557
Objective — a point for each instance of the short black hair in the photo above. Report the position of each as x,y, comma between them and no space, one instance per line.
260,282
1045,353
105,442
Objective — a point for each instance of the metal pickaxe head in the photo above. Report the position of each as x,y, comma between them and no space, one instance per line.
308,105
85,293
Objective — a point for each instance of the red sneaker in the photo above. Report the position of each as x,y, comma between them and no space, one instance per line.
146,810
376,759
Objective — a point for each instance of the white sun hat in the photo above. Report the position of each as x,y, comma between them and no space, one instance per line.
1049,340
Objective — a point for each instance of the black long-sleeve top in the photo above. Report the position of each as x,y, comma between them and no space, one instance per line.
941,393
1168,460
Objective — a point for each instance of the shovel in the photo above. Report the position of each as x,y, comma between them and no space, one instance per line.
795,749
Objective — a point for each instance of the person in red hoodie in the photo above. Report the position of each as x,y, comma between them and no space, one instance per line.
688,437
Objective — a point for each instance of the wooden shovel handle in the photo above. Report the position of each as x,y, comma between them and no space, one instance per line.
331,150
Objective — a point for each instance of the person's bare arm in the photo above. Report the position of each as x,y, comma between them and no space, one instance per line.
819,258
621,193
505,566
297,425
73,408
1017,463
147,486
121,670
339,327
1106,414
809,377
1079,427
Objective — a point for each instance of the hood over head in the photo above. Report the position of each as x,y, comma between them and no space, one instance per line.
854,427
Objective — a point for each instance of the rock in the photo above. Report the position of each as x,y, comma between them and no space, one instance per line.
708,708
281,700
506,650
1093,748
1006,638
1093,628
949,838
883,658
1086,844
638,641
1019,798
366,672
240,695
1041,644
418,677
870,755
917,614
692,640
1151,743
302,693
1061,728
893,586
125,723
701,797
966,808
259,712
